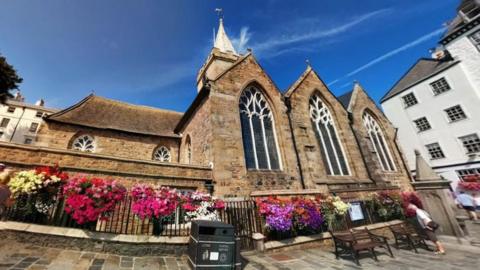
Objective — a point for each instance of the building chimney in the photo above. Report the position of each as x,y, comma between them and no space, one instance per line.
18,96
40,102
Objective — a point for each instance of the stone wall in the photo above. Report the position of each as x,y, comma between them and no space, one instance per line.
128,171
314,171
400,177
229,171
108,142
200,132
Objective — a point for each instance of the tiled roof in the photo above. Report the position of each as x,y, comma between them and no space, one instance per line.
103,113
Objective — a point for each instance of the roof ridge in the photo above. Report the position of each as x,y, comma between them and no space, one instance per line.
136,105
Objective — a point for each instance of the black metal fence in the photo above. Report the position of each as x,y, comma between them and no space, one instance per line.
242,214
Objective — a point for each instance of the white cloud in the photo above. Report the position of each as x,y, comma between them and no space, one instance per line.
240,42
275,42
391,53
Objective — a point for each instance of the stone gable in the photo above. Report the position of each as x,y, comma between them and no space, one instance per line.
313,168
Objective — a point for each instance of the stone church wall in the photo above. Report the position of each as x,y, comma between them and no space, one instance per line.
230,172
108,142
127,171
314,171
400,177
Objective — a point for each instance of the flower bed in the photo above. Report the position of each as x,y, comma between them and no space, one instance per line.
90,199
36,190
287,217
387,205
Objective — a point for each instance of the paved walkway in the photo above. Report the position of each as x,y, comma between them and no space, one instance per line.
457,258
21,256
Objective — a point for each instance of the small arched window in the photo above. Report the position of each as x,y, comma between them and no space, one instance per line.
84,143
258,131
379,143
162,154
188,144
330,145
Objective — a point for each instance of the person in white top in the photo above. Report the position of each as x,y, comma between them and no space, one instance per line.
428,226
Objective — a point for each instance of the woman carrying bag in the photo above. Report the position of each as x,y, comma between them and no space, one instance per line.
428,225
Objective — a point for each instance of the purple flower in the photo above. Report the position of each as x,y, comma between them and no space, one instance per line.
280,218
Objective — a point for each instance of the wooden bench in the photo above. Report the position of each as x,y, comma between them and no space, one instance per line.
409,234
359,240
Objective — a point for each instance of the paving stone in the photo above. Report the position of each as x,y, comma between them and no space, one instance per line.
98,262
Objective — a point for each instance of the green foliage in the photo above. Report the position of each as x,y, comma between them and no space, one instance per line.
9,79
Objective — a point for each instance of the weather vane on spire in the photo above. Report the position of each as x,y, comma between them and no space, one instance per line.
219,12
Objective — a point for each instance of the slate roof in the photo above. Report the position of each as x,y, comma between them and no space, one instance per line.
345,99
423,69
103,113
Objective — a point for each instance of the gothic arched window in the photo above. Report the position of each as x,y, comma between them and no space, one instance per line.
258,131
330,145
379,143
162,154
84,143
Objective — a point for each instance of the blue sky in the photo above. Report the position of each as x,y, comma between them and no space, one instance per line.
148,51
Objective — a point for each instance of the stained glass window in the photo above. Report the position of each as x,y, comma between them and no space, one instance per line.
330,146
379,143
258,131
162,154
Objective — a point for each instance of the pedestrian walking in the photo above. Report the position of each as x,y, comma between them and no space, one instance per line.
5,193
465,201
428,225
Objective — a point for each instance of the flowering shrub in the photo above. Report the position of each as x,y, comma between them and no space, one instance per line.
26,182
199,205
278,213
306,214
386,204
153,201
332,208
296,215
88,199
473,186
410,197
471,178
43,182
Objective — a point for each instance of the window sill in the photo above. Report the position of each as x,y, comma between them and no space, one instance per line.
455,121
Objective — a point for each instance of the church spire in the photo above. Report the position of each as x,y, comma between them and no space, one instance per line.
222,42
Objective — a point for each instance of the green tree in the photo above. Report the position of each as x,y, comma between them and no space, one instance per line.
9,79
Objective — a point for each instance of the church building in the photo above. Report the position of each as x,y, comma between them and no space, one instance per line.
241,135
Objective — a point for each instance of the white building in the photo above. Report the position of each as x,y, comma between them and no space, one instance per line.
436,104
20,121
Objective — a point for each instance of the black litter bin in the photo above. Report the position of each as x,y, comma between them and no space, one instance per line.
211,245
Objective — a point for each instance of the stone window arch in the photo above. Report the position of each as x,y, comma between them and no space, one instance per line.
84,143
188,150
379,142
162,154
331,147
258,131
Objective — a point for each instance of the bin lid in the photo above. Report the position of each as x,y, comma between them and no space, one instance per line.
209,223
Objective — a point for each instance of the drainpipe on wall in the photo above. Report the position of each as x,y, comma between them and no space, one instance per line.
299,164
18,123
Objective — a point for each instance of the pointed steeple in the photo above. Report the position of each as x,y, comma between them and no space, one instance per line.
222,42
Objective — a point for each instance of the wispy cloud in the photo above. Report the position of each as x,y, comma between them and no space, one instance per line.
317,32
391,53
240,42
